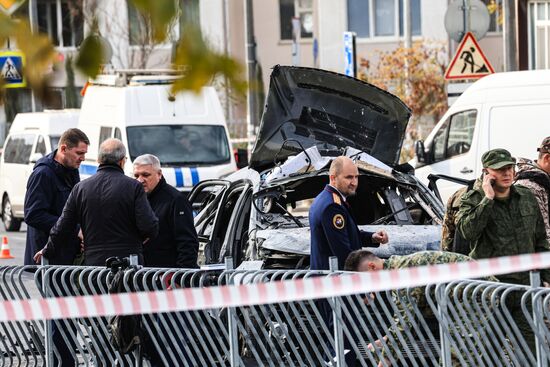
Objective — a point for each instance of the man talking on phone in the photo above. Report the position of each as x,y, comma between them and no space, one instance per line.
501,219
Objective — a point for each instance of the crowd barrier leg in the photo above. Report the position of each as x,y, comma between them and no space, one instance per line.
232,321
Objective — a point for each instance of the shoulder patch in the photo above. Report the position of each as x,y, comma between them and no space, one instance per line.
336,198
338,221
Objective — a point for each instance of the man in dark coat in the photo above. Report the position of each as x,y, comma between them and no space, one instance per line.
112,210
48,188
176,245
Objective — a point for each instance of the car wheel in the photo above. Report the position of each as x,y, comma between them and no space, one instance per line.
11,223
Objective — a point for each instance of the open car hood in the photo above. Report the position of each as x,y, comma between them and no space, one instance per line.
312,107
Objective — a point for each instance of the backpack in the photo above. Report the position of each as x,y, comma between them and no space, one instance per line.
125,331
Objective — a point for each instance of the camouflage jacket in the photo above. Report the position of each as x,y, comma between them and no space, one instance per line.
449,221
512,226
538,181
420,259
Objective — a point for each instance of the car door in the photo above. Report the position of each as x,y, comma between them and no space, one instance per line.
206,199
18,168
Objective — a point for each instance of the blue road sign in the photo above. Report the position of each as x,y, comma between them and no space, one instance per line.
349,54
11,69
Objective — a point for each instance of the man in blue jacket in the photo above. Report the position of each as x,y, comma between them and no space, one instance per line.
334,232
333,228
48,188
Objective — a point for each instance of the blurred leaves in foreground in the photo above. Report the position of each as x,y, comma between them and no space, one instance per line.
199,62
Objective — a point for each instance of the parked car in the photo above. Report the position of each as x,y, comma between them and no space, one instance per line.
31,136
312,116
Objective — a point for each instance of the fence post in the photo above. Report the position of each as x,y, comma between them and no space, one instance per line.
232,320
336,317
443,328
534,277
138,353
48,323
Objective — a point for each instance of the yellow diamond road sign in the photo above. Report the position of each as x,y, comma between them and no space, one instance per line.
469,61
8,7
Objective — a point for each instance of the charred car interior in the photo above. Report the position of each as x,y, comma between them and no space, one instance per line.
311,116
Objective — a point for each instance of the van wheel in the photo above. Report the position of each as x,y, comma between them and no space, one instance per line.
11,223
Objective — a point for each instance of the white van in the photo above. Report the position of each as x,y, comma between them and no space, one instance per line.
186,131
502,110
31,136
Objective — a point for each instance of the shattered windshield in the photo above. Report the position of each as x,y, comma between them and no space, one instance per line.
180,145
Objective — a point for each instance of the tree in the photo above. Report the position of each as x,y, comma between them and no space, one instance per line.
423,89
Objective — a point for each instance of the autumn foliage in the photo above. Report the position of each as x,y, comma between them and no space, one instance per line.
422,88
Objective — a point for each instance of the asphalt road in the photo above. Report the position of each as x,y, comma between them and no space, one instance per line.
16,242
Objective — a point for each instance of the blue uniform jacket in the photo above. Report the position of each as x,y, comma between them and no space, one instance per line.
333,230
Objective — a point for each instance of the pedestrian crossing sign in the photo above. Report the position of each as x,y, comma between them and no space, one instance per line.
469,61
11,69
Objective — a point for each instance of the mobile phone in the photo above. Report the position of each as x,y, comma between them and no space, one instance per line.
484,172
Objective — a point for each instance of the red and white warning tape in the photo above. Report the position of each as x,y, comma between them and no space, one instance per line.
263,293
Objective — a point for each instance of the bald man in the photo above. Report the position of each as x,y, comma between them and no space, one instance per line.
112,210
333,228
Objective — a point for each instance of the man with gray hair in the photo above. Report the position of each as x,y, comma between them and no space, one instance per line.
176,245
112,210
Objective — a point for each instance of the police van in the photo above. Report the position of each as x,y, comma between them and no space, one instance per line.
31,136
186,131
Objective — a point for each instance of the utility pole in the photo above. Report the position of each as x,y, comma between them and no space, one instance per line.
407,33
252,65
509,35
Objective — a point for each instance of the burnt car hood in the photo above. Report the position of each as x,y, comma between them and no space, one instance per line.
310,107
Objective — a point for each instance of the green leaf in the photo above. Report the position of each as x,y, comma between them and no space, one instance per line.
161,12
202,64
90,56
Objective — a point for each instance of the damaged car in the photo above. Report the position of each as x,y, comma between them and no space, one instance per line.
312,116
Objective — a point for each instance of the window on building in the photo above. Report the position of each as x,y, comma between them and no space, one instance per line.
539,34
62,20
381,18
302,9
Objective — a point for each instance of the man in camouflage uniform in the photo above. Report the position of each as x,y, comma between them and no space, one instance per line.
536,177
363,260
502,219
451,239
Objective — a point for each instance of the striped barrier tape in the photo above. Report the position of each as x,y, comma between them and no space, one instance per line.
263,293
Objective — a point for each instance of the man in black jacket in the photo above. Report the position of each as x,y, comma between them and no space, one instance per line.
176,245
112,210
48,188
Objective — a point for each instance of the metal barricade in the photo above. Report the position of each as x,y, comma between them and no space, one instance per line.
467,322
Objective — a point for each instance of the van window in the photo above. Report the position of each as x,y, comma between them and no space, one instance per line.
180,145
461,133
19,148
40,145
440,141
104,134
118,134
455,136
54,141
